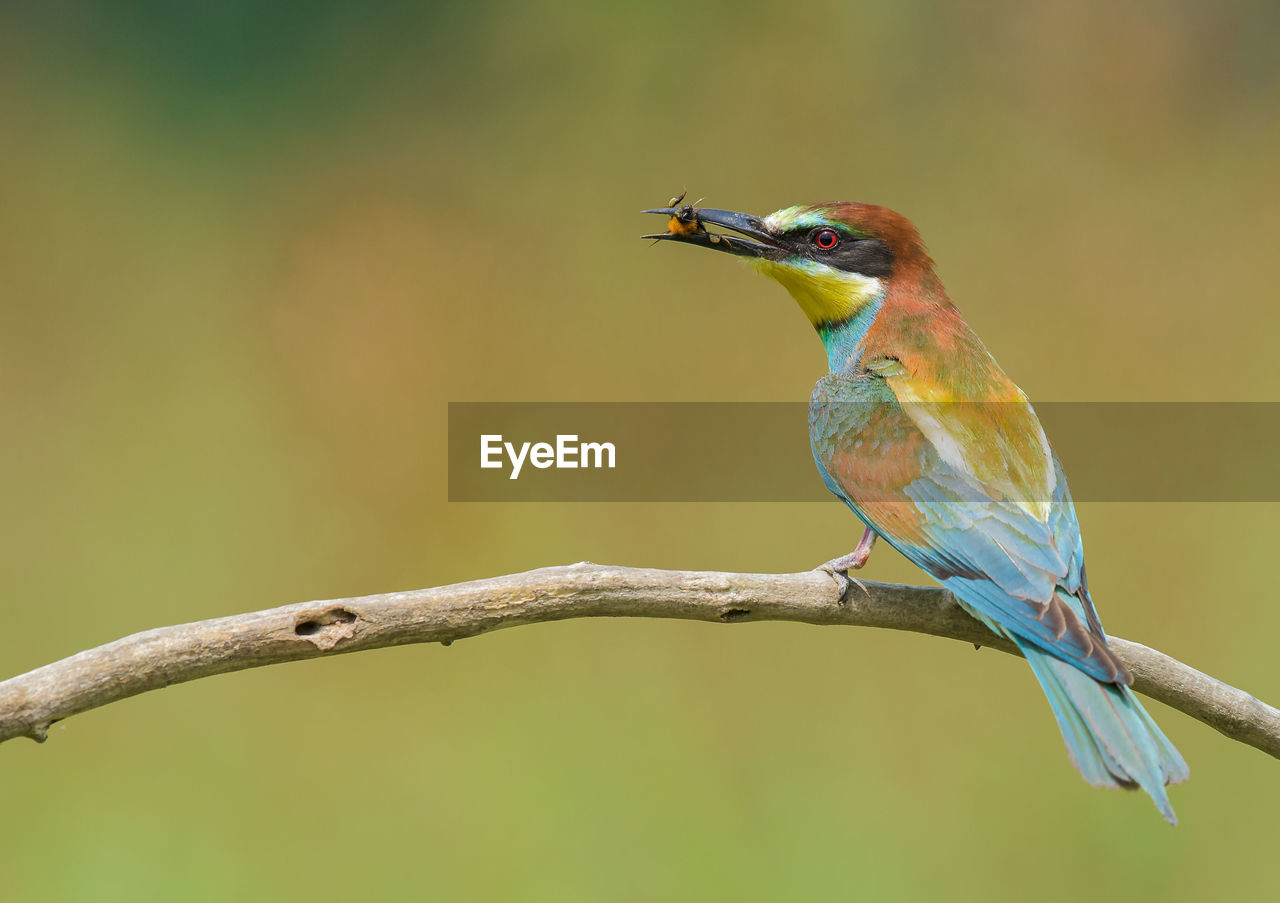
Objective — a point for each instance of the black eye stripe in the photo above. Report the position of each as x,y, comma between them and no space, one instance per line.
865,256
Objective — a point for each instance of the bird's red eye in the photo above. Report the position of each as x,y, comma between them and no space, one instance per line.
826,239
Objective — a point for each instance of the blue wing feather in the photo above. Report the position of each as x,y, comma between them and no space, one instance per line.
1023,576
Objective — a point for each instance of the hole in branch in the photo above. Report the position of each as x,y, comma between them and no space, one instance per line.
312,626
734,614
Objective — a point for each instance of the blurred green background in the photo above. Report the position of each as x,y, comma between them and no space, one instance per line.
249,251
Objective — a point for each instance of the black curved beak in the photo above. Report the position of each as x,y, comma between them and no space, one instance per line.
690,223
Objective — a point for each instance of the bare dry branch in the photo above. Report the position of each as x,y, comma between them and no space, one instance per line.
31,702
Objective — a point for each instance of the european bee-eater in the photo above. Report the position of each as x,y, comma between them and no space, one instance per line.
918,430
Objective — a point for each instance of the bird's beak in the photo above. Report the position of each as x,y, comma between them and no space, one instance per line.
687,224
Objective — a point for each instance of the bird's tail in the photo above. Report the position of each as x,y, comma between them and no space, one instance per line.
1110,737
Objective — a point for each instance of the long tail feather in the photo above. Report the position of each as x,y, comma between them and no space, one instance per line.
1110,737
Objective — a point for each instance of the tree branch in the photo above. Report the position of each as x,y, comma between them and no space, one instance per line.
31,702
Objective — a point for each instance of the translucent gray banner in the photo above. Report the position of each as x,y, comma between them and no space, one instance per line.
759,452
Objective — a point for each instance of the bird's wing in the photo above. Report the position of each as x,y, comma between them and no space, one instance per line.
971,493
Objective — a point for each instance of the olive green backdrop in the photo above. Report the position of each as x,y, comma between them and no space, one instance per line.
250,251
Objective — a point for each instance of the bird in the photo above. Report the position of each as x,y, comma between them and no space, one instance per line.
918,430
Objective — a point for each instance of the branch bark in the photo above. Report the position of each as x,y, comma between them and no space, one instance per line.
31,702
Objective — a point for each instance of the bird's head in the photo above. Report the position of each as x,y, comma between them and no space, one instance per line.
835,259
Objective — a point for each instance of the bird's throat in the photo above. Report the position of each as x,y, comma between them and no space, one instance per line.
842,339
840,305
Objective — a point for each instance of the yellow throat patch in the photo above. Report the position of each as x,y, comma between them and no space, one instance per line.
824,293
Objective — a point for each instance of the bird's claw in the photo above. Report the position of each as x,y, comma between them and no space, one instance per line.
840,574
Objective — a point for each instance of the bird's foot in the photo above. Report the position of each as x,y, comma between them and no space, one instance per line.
838,570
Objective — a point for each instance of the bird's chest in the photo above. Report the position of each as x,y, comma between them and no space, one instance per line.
863,438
